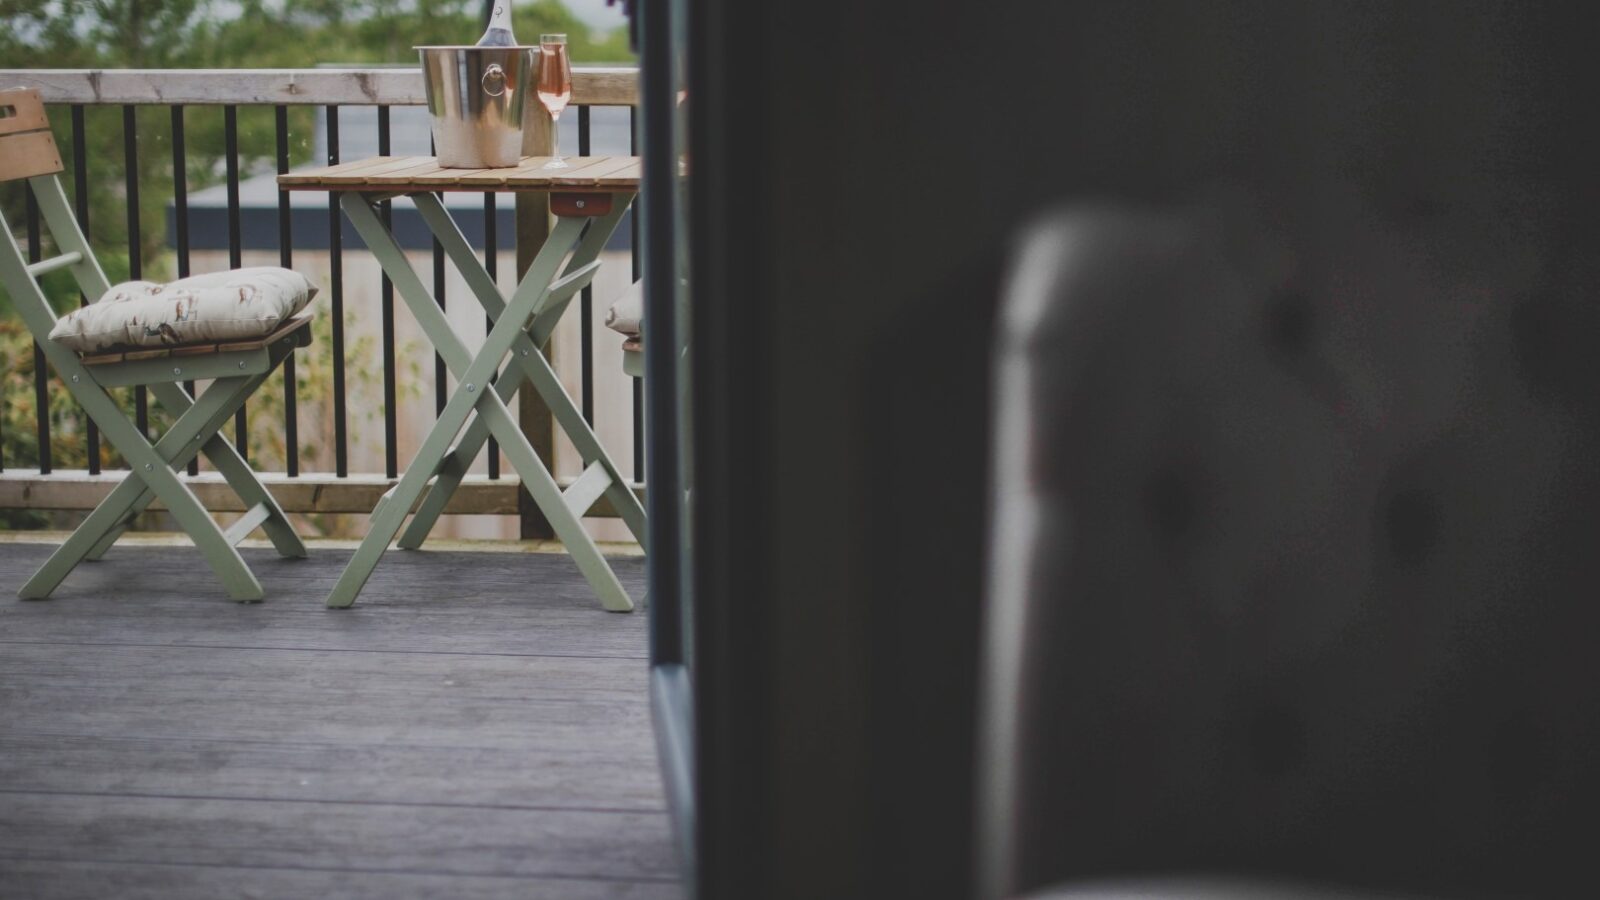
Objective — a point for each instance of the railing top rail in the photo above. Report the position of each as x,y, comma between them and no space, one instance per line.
597,85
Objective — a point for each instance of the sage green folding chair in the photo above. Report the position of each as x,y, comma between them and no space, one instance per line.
28,151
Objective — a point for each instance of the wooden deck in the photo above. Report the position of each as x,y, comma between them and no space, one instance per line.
475,727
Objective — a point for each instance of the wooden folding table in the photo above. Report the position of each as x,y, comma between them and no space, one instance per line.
588,199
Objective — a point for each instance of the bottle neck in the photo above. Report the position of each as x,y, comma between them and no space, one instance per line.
501,17
498,33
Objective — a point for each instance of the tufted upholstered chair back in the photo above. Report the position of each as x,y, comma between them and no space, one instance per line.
1296,546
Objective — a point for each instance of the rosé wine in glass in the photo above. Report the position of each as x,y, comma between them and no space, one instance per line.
554,88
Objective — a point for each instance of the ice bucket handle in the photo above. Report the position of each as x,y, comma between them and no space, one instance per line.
498,75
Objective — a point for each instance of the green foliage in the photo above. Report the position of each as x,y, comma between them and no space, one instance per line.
69,446
61,34
312,32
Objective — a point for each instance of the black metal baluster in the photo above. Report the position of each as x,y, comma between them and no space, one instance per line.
230,137
130,157
586,302
491,261
438,296
341,453
80,204
181,196
633,249
391,416
41,368
439,393
180,217
291,422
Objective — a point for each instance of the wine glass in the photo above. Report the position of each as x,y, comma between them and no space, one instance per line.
554,88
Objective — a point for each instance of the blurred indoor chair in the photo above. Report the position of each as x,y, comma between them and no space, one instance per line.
1295,551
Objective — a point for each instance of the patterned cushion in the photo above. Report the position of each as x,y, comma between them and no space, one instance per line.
221,306
626,316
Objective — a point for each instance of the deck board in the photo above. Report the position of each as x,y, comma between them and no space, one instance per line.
475,727
50,880
540,843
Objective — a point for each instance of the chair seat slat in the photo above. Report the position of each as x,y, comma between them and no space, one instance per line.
195,350
152,353
290,326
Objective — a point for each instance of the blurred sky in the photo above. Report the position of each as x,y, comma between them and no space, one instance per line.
597,14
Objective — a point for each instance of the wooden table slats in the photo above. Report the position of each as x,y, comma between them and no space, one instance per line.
357,172
617,169
404,174
532,167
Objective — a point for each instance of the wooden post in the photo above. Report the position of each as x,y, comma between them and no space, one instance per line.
533,227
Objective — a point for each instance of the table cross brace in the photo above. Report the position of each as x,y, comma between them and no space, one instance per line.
534,304
526,355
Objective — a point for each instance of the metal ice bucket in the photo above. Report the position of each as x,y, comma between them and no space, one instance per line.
475,95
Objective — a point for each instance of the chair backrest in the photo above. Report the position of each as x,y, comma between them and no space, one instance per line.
27,148
28,151
1293,549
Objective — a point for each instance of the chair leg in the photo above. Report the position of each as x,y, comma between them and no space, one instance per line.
153,475
234,470
219,553
101,524
226,459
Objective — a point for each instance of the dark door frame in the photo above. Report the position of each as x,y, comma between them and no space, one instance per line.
729,201
659,36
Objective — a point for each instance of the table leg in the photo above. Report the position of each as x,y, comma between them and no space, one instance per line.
471,394
525,356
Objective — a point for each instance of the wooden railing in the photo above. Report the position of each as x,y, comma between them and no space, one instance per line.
340,491
613,86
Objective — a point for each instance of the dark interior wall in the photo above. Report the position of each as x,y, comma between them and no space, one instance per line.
882,155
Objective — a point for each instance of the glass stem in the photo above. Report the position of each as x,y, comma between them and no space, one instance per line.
555,135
